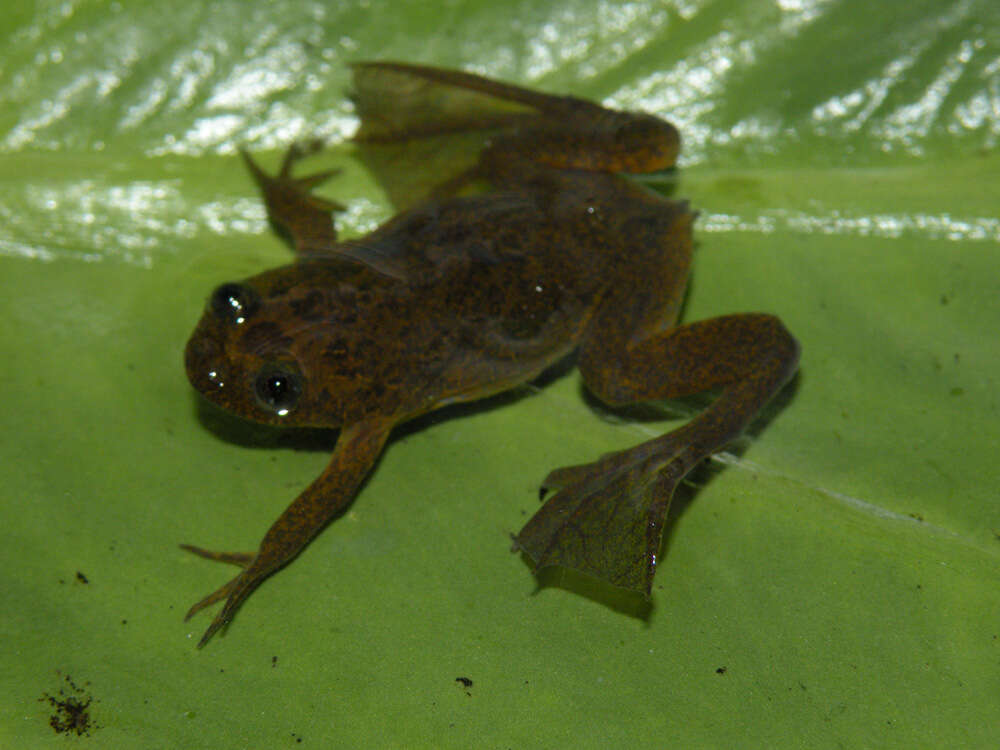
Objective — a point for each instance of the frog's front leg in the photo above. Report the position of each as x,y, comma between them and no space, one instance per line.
606,518
292,206
357,449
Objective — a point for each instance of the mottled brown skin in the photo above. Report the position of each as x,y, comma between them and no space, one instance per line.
463,297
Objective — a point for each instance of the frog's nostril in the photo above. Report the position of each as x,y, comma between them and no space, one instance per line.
203,362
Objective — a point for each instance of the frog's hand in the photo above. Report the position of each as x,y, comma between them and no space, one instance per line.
399,102
606,518
358,447
291,205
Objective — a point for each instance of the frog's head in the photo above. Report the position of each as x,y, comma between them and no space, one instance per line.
645,143
260,351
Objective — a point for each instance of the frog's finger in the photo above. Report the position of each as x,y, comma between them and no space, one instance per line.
235,592
310,181
242,559
298,150
220,593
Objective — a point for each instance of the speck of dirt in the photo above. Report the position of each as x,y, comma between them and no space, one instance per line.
71,709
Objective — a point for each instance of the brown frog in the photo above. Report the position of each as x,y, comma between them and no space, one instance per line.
464,296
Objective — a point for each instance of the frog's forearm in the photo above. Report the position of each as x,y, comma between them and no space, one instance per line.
357,450
358,447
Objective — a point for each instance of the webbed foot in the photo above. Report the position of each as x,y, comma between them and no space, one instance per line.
606,518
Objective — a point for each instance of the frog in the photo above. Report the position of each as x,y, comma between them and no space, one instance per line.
470,293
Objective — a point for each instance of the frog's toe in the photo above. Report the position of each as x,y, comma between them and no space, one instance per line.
567,476
562,477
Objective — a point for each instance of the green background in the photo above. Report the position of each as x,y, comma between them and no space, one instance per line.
842,562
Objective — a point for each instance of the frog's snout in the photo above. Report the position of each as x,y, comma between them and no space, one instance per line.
203,360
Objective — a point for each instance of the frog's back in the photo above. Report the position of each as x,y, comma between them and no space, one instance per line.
488,286
505,283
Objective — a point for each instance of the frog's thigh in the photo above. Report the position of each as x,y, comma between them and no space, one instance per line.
606,517
752,350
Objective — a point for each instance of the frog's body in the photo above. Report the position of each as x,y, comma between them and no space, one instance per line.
462,297
476,295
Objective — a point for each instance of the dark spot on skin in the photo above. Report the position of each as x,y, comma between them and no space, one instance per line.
310,307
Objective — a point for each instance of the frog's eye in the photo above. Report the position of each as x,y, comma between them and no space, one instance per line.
278,388
234,302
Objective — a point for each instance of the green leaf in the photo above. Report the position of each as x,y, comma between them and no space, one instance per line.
830,581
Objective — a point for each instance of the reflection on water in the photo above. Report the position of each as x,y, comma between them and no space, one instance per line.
926,226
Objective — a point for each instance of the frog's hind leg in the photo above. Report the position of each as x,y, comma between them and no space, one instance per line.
606,518
292,206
